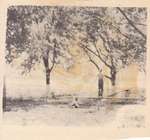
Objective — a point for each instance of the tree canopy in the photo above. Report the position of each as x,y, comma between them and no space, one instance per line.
115,37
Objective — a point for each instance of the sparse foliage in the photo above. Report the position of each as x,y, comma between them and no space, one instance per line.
109,36
114,37
39,34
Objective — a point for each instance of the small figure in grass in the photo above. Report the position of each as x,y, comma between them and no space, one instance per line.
75,103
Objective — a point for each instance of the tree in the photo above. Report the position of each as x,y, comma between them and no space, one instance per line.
44,34
115,37
135,19
121,45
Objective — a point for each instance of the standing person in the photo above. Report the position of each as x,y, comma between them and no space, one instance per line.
100,83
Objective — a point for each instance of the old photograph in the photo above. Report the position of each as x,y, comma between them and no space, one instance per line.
75,66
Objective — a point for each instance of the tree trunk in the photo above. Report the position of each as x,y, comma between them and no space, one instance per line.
100,85
4,95
49,69
47,77
113,76
47,83
48,72
48,91
113,80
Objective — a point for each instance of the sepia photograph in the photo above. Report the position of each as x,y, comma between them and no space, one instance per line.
75,66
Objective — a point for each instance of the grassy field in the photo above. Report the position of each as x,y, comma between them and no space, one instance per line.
60,112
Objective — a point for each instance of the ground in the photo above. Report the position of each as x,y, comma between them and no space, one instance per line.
59,112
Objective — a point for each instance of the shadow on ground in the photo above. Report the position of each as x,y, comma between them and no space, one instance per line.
64,101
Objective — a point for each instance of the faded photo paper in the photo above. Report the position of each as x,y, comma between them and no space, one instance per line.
75,66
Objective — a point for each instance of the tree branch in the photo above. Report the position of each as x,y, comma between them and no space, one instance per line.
131,23
104,61
113,26
91,60
104,42
54,56
108,77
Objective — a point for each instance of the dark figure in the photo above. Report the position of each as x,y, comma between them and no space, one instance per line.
100,84
75,103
